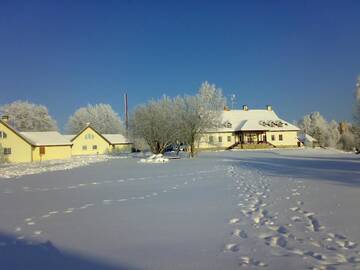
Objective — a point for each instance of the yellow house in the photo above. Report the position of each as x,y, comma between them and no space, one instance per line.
250,129
118,142
91,142
32,146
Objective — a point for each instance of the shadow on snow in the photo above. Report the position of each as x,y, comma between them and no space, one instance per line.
344,171
23,255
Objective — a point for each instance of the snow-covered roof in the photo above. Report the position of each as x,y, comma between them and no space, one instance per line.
46,138
69,137
253,120
303,137
116,138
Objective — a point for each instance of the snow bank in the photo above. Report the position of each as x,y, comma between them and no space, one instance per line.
155,159
20,169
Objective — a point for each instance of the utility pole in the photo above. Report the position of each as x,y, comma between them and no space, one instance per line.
126,112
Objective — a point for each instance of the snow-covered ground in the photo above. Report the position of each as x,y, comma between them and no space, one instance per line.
16,170
279,209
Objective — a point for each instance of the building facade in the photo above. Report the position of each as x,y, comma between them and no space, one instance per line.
250,129
32,146
91,142
20,147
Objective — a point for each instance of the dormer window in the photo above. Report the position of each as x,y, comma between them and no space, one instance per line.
228,125
3,135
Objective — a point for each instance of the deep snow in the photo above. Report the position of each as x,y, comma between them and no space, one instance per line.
279,209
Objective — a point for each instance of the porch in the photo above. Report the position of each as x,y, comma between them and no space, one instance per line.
251,140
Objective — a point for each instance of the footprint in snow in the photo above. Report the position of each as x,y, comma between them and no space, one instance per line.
276,241
248,262
240,233
231,247
234,221
296,219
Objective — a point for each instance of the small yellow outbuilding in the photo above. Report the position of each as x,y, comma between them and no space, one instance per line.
32,146
91,142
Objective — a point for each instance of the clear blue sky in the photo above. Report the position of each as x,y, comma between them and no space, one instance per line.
299,56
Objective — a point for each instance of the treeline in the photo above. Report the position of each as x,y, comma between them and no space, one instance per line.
344,135
168,121
25,116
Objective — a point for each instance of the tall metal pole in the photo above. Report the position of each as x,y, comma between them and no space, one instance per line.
126,112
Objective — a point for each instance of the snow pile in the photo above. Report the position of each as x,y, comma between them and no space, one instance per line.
159,158
20,169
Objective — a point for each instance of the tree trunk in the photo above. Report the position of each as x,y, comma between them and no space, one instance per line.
192,149
156,148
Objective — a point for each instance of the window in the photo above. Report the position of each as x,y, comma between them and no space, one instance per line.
42,150
3,135
229,138
280,137
211,139
273,137
220,139
7,151
84,148
89,136
251,137
94,147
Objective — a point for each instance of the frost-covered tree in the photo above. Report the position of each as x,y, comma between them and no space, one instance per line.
347,141
26,116
356,125
357,102
139,144
314,124
180,120
155,122
101,116
332,137
196,114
